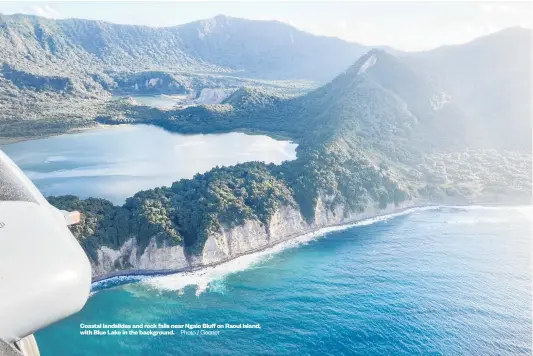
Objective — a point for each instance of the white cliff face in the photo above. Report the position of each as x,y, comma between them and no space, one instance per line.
161,257
211,96
324,216
286,222
229,243
107,258
154,257
252,235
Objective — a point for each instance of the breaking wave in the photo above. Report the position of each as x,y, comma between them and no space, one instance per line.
209,278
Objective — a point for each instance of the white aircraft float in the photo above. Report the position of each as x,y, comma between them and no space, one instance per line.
45,275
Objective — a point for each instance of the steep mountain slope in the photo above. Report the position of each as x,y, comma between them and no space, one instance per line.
263,49
380,136
387,103
489,78
268,49
476,95
64,70
445,126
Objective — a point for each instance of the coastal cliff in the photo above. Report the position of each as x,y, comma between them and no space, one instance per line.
227,243
377,138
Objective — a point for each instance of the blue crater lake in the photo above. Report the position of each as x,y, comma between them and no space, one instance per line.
116,162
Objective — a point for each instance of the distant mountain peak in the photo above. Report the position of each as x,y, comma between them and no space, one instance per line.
263,49
220,19
369,60
213,24
513,30
367,64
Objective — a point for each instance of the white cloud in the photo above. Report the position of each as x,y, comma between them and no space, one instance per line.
342,25
40,10
487,8
503,8
507,8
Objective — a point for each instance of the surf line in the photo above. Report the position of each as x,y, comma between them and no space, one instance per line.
114,279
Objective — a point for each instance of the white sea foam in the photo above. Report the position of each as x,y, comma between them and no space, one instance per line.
211,277
113,281
490,207
526,210
477,221
206,277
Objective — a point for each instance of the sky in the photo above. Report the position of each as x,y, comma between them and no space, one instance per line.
407,26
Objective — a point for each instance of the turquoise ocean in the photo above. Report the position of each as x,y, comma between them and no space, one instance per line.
442,281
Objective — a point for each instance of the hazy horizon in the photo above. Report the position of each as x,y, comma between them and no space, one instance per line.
404,26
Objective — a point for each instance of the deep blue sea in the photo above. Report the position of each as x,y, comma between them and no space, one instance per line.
450,281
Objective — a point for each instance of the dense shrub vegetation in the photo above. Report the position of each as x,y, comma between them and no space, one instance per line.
386,130
359,147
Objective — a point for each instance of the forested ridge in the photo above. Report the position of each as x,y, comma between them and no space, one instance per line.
360,145
55,75
448,125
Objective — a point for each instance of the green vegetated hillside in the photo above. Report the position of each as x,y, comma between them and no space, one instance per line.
265,49
55,75
385,131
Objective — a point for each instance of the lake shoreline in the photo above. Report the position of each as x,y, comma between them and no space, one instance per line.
4,141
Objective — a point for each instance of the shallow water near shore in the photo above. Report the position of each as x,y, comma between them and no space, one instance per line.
455,280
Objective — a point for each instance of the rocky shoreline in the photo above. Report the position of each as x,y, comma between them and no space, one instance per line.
317,231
